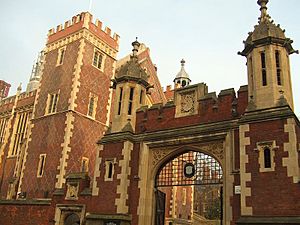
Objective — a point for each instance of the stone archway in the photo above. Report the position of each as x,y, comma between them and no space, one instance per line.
189,190
155,154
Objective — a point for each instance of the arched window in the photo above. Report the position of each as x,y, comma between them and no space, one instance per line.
267,157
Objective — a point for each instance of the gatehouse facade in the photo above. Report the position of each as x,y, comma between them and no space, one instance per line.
95,140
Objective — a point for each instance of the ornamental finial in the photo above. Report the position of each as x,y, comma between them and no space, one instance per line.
135,46
263,8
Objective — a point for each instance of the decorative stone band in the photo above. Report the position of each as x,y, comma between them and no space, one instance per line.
84,33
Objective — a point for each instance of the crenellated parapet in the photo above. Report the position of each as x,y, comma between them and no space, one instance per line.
25,101
82,25
207,108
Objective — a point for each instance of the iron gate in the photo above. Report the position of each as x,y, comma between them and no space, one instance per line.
188,169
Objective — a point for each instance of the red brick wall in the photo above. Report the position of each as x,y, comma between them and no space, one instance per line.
8,165
273,193
57,78
105,202
161,119
86,133
47,137
157,94
92,80
26,215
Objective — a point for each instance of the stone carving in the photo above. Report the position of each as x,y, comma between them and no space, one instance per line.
159,154
72,191
214,149
188,102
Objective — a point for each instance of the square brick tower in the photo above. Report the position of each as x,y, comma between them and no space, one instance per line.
72,105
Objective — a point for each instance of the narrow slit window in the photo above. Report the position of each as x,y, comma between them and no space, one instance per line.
110,170
250,66
263,68
130,101
120,101
92,105
41,165
278,67
141,97
84,164
267,157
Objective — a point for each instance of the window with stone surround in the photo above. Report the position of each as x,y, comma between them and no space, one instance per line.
52,103
92,105
41,165
266,154
19,133
3,123
84,164
98,59
61,56
109,169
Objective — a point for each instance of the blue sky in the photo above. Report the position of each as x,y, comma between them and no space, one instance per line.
207,34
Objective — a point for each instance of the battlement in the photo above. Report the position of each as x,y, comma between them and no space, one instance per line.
227,105
80,21
24,95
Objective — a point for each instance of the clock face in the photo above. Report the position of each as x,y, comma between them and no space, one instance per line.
189,170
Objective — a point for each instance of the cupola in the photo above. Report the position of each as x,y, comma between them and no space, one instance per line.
182,79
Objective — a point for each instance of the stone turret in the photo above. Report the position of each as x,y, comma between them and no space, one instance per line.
267,50
131,84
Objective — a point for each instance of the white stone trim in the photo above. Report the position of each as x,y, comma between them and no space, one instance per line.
228,167
97,171
261,158
122,188
70,118
245,177
83,33
291,162
144,211
66,150
109,104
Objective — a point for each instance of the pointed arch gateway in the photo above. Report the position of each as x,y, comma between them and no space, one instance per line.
191,173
